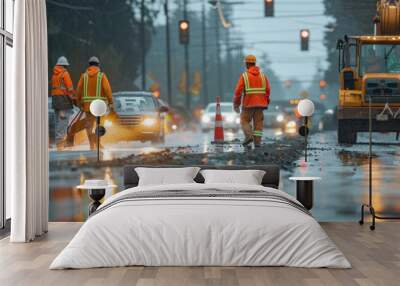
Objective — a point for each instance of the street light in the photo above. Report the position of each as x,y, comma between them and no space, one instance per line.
306,108
98,108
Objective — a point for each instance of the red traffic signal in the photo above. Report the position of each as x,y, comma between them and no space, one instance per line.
184,32
269,8
304,39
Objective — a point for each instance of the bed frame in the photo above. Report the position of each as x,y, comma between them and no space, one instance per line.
270,179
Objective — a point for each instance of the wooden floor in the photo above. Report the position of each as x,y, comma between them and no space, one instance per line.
375,257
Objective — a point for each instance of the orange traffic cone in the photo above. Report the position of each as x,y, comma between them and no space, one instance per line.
218,129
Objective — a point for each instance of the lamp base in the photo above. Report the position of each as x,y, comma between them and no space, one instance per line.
96,195
374,216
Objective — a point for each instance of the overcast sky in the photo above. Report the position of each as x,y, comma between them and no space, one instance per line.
290,16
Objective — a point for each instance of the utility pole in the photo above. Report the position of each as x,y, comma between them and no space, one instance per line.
229,58
204,40
187,88
168,49
143,44
217,38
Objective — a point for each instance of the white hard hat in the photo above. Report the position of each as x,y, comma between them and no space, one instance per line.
94,60
62,61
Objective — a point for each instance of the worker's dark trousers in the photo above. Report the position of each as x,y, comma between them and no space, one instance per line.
61,124
252,121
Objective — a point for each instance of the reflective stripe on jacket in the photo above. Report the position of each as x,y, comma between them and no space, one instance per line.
249,89
61,83
92,85
97,95
253,86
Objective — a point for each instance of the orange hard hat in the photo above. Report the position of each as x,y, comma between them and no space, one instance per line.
250,59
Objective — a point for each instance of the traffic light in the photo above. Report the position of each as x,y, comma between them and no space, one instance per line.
269,8
184,32
304,39
213,3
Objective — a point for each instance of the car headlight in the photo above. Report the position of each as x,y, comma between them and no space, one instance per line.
280,118
149,122
291,124
108,123
329,111
205,119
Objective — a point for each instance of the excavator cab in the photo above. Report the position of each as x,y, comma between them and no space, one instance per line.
347,63
369,70
369,75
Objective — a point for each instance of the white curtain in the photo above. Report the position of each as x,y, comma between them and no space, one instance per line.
27,124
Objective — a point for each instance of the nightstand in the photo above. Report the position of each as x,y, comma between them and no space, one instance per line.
96,191
304,190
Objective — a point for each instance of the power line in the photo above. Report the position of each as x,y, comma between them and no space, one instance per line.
281,16
287,2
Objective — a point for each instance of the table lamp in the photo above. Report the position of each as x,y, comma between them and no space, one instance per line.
98,108
306,109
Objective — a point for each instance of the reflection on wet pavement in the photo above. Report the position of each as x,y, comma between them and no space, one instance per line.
344,172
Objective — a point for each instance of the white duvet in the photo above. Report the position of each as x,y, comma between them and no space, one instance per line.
206,231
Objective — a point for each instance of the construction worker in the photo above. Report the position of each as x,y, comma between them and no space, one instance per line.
93,84
62,91
255,88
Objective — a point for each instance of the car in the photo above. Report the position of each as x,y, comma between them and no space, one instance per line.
138,115
329,119
317,119
278,114
231,119
173,119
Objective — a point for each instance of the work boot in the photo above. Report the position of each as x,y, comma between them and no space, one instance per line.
247,141
257,141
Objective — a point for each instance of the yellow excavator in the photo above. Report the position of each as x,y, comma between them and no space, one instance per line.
369,78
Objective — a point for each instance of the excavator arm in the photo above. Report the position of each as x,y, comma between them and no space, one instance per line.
387,20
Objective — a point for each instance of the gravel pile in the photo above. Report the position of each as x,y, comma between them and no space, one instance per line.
284,153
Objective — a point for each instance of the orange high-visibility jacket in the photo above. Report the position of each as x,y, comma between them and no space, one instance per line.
92,85
61,83
255,87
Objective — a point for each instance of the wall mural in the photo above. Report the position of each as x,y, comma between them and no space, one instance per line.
161,108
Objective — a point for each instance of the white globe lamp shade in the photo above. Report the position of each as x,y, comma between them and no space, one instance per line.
98,107
305,107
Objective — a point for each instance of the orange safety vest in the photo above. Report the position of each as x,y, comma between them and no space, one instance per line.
61,83
253,87
92,85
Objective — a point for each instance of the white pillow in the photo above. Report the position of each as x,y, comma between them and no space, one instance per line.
248,177
166,176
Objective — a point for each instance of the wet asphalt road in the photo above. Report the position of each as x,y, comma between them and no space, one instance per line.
345,174
337,197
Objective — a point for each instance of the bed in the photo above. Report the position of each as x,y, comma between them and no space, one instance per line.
199,224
